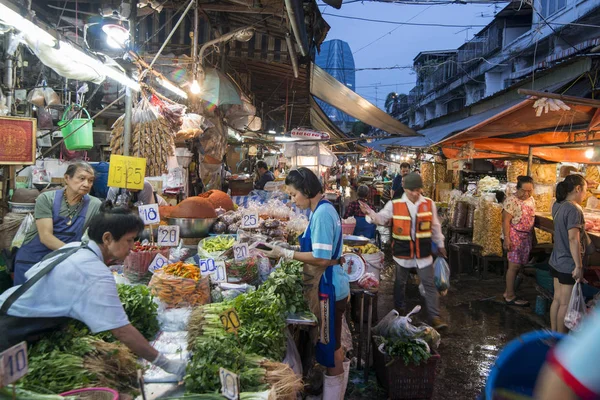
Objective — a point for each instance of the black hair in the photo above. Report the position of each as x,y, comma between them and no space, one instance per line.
305,181
362,192
118,221
73,168
261,164
567,186
405,165
500,196
523,179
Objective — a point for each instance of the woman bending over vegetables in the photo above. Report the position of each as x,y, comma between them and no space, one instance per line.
326,285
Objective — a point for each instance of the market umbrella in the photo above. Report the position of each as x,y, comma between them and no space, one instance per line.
218,89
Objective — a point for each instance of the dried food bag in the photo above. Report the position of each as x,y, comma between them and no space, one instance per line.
44,119
427,173
515,169
576,309
470,216
544,174
460,215
442,274
543,195
492,231
178,292
592,173
51,97
542,237
22,231
36,97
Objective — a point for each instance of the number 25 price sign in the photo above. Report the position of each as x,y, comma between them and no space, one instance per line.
13,364
127,172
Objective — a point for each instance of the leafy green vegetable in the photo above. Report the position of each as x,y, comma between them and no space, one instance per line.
410,350
140,308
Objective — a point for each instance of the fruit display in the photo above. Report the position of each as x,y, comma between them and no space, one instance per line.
368,248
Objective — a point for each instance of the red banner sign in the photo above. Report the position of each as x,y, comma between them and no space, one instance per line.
309,134
17,140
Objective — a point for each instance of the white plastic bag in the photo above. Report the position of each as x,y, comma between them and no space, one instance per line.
576,309
292,356
442,275
22,231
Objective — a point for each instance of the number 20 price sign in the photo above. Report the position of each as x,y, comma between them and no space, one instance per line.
13,364
168,235
127,172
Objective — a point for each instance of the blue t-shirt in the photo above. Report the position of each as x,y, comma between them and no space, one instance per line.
326,235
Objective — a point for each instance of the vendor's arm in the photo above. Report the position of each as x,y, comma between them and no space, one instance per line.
383,217
506,218
45,227
135,341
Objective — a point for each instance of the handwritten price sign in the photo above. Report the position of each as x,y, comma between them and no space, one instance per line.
230,384
240,251
13,364
250,220
168,235
127,172
149,214
230,320
207,266
158,262
220,274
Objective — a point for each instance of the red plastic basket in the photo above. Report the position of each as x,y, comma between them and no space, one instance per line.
348,229
93,394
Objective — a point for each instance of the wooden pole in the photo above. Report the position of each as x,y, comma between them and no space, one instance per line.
530,161
567,99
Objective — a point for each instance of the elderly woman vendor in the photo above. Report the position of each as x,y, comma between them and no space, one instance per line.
74,282
61,217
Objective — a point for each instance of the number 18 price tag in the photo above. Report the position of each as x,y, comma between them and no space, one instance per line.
149,214
158,262
240,251
13,364
168,235
250,220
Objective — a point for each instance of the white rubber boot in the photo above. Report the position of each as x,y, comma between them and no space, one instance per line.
346,375
332,387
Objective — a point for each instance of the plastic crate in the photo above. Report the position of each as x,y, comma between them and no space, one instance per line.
405,381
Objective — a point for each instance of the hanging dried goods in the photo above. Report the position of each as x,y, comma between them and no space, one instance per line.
515,169
544,173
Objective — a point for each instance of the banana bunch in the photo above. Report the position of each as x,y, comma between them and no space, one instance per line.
366,249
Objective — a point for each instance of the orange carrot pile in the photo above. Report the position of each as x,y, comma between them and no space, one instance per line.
183,270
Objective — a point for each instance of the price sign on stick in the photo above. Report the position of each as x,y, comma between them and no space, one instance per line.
230,320
220,274
230,384
240,251
13,364
158,262
127,172
168,235
149,214
250,220
207,266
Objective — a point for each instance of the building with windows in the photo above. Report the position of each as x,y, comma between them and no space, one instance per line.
336,58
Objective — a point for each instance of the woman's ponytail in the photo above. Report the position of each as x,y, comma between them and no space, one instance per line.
567,186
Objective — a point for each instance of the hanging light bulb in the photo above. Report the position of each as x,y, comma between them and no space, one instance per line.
116,35
195,87
589,153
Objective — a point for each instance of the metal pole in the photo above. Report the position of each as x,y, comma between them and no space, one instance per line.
8,77
172,32
530,161
128,92
195,41
292,53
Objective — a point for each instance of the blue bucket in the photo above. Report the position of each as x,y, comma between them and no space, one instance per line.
519,363
101,181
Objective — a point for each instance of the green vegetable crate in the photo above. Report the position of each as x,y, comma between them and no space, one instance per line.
404,382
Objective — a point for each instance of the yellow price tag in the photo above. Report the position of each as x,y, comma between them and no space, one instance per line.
230,320
127,172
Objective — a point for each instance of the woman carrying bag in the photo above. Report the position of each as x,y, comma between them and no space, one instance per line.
326,285
571,245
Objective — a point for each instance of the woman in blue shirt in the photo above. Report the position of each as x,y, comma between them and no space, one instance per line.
326,285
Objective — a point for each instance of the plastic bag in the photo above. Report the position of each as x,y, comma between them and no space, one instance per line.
22,231
173,319
368,281
51,97
171,343
39,174
292,356
36,97
442,274
576,309
395,326
179,253
175,291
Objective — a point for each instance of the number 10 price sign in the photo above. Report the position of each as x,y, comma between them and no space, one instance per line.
13,364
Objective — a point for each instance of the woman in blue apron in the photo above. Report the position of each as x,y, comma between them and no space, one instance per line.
326,285
362,228
61,217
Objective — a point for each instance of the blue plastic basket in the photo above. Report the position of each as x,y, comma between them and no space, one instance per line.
519,363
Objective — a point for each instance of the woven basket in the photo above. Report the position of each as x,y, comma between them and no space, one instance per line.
93,394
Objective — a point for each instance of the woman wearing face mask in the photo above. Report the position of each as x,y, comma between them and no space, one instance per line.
326,285
518,218
74,282
61,217
570,243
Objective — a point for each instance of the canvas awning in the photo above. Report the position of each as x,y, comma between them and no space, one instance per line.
331,91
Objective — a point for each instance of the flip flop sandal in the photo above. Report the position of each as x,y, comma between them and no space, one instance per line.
514,302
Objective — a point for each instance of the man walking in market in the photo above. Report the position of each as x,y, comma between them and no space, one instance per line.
415,227
397,190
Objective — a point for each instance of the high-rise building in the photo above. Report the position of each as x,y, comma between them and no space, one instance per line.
336,58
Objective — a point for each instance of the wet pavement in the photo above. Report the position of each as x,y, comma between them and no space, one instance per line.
479,326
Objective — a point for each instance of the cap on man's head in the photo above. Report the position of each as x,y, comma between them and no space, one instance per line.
412,181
